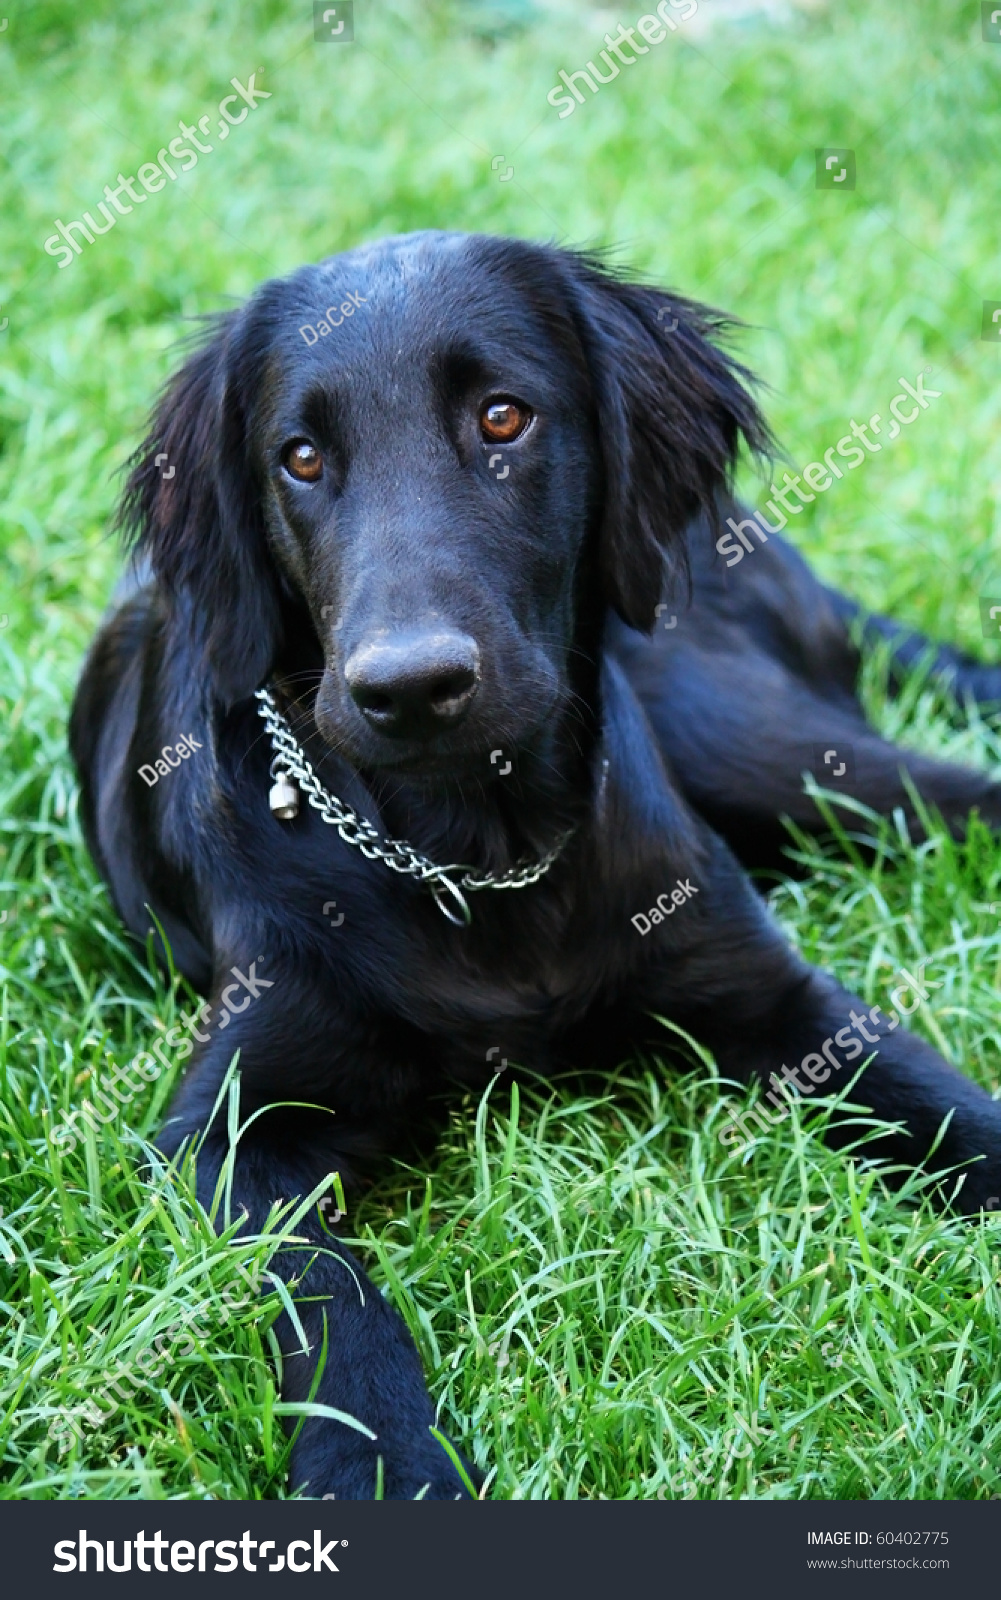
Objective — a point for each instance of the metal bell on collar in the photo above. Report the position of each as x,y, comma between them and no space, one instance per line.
284,798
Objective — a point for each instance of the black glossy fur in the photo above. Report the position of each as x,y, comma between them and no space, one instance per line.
672,752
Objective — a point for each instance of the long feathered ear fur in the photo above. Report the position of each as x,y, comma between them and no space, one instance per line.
672,408
192,508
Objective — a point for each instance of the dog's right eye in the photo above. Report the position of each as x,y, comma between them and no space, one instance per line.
303,461
502,421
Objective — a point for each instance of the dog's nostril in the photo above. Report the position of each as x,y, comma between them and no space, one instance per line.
379,704
414,685
455,686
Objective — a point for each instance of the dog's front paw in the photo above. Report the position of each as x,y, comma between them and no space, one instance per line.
415,1468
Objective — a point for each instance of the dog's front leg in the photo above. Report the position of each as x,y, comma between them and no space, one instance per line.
813,1043
372,1372
814,1046
734,983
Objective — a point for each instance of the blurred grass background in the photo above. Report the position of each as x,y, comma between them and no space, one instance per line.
607,1304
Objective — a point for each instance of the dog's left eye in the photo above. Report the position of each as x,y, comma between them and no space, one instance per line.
503,420
303,461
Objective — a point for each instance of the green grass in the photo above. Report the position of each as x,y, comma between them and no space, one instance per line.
608,1303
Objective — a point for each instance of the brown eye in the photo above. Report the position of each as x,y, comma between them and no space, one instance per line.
503,420
304,461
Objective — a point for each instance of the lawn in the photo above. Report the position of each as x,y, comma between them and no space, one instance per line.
608,1302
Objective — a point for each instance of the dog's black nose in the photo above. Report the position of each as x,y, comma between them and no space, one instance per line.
415,684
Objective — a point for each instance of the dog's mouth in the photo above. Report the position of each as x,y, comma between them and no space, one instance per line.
470,755
482,763
472,742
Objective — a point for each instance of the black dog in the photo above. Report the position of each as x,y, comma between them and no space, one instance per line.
439,524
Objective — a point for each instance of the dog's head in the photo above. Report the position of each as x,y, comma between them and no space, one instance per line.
437,457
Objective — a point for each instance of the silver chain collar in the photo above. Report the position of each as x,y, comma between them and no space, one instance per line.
445,883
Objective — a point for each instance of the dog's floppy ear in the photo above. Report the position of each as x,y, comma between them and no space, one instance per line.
193,510
671,408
